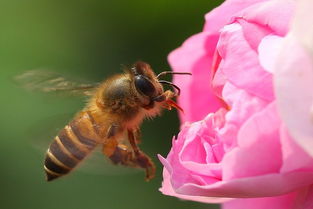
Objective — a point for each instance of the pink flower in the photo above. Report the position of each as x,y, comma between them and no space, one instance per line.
234,146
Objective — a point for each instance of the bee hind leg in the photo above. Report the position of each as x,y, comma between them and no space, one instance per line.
141,159
126,157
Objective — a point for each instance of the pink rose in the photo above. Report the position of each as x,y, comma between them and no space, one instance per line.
234,146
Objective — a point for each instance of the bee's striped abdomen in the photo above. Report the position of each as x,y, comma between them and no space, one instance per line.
70,147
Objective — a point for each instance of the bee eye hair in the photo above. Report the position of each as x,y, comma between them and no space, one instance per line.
144,86
140,68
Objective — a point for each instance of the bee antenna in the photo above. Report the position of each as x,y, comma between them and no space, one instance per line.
171,84
171,72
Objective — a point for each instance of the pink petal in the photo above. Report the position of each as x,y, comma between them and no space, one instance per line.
241,65
302,22
294,157
267,185
257,137
275,15
243,105
167,189
279,202
307,199
253,32
221,15
197,149
197,98
293,85
269,49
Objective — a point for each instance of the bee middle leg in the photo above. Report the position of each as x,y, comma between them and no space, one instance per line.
109,147
141,159
110,143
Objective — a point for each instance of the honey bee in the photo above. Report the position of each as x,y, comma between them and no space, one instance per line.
111,119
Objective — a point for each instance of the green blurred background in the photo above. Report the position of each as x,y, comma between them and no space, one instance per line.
89,40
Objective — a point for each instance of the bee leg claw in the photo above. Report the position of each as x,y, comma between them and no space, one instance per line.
145,162
150,173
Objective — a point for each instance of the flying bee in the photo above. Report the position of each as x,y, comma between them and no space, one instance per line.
111,118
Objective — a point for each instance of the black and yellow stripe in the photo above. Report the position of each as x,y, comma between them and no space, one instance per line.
70,147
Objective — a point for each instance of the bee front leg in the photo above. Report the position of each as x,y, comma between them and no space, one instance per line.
166,100
165,96
142,159
137,135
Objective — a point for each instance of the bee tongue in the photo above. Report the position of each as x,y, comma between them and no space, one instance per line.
171,103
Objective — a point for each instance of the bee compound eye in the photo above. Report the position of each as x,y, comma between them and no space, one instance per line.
144,86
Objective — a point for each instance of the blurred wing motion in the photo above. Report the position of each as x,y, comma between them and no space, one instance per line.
98,164
47,81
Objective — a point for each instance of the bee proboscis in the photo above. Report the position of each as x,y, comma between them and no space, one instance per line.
111,118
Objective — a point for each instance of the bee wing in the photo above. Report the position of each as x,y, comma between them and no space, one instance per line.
52,82
41,134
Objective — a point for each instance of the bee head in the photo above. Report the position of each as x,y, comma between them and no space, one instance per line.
145,80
